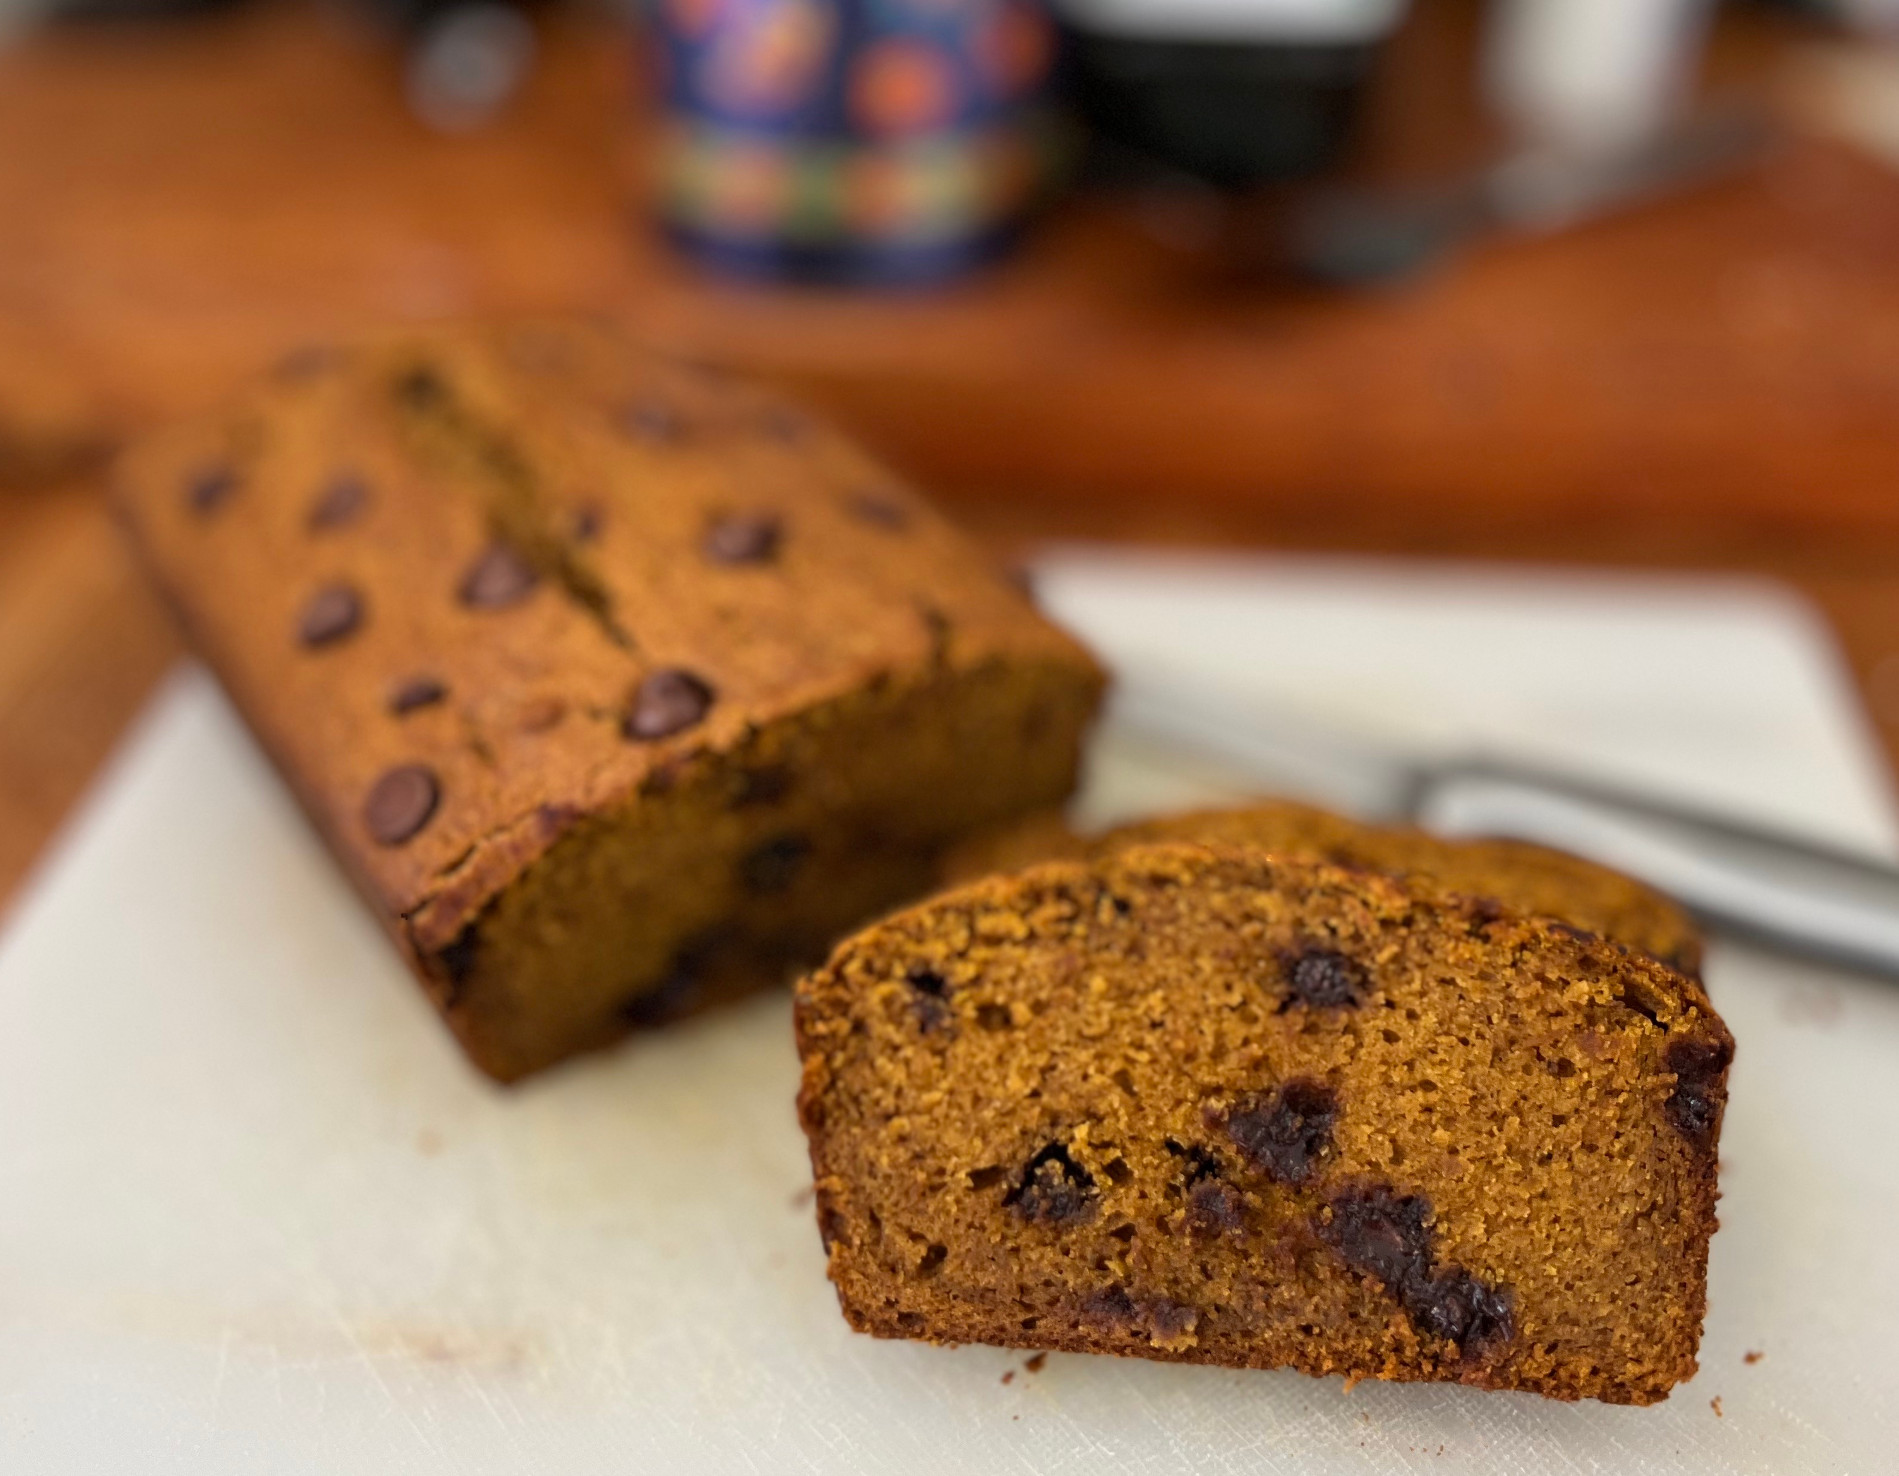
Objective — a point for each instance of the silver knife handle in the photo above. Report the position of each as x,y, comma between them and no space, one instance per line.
1777,888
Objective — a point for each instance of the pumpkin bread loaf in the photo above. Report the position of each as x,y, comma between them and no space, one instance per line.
616,686
1515,873
1211,1105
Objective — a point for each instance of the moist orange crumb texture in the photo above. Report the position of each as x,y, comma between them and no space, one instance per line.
1516,873
1203,1104
616,685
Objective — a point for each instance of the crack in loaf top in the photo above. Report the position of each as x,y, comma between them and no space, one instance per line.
569,567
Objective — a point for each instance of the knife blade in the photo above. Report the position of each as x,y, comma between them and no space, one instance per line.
1786,890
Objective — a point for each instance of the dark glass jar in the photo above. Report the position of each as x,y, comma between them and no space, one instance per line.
1235,92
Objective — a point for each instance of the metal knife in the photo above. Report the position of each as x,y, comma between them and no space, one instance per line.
1353,238
1797,894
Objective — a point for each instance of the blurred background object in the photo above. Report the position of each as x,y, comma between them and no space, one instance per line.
1359,238
1708,380
852,140
1873,16
1585,76
1850,91
1235,92
52,428
466,62
1590,95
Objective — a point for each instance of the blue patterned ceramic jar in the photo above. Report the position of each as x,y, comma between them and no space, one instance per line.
853,140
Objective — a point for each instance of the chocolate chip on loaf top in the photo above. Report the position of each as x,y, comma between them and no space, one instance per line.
593,667
1514,873
1206,1104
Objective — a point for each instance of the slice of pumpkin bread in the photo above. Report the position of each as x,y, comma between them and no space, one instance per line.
1211,1105
1516,873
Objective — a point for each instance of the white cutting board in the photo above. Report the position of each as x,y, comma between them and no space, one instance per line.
257,1215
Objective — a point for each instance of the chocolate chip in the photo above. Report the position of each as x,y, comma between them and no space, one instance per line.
413,692
1111,1305
1381,1232
339,503
587,523
667,702
667,1000
1695,1105
209,488
1202,1163
683,983
1053,1190
1386,1235
1636,1000
651,420
329,615
457,961
1481,911
1167,1320
1160,1319
1287,1133
742,538
421,388
400,804
1324,979
930,1001
926,980
774,865
499,578
879,512
1214,1208
1456,1305
1581,935
764,785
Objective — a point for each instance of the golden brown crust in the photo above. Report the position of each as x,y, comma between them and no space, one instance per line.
1209,1105
1515,873
523,533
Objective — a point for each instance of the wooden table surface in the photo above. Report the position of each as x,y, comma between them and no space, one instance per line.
1712,382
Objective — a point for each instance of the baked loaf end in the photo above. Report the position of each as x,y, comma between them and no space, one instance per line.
1515,873
615,685
1215,1106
